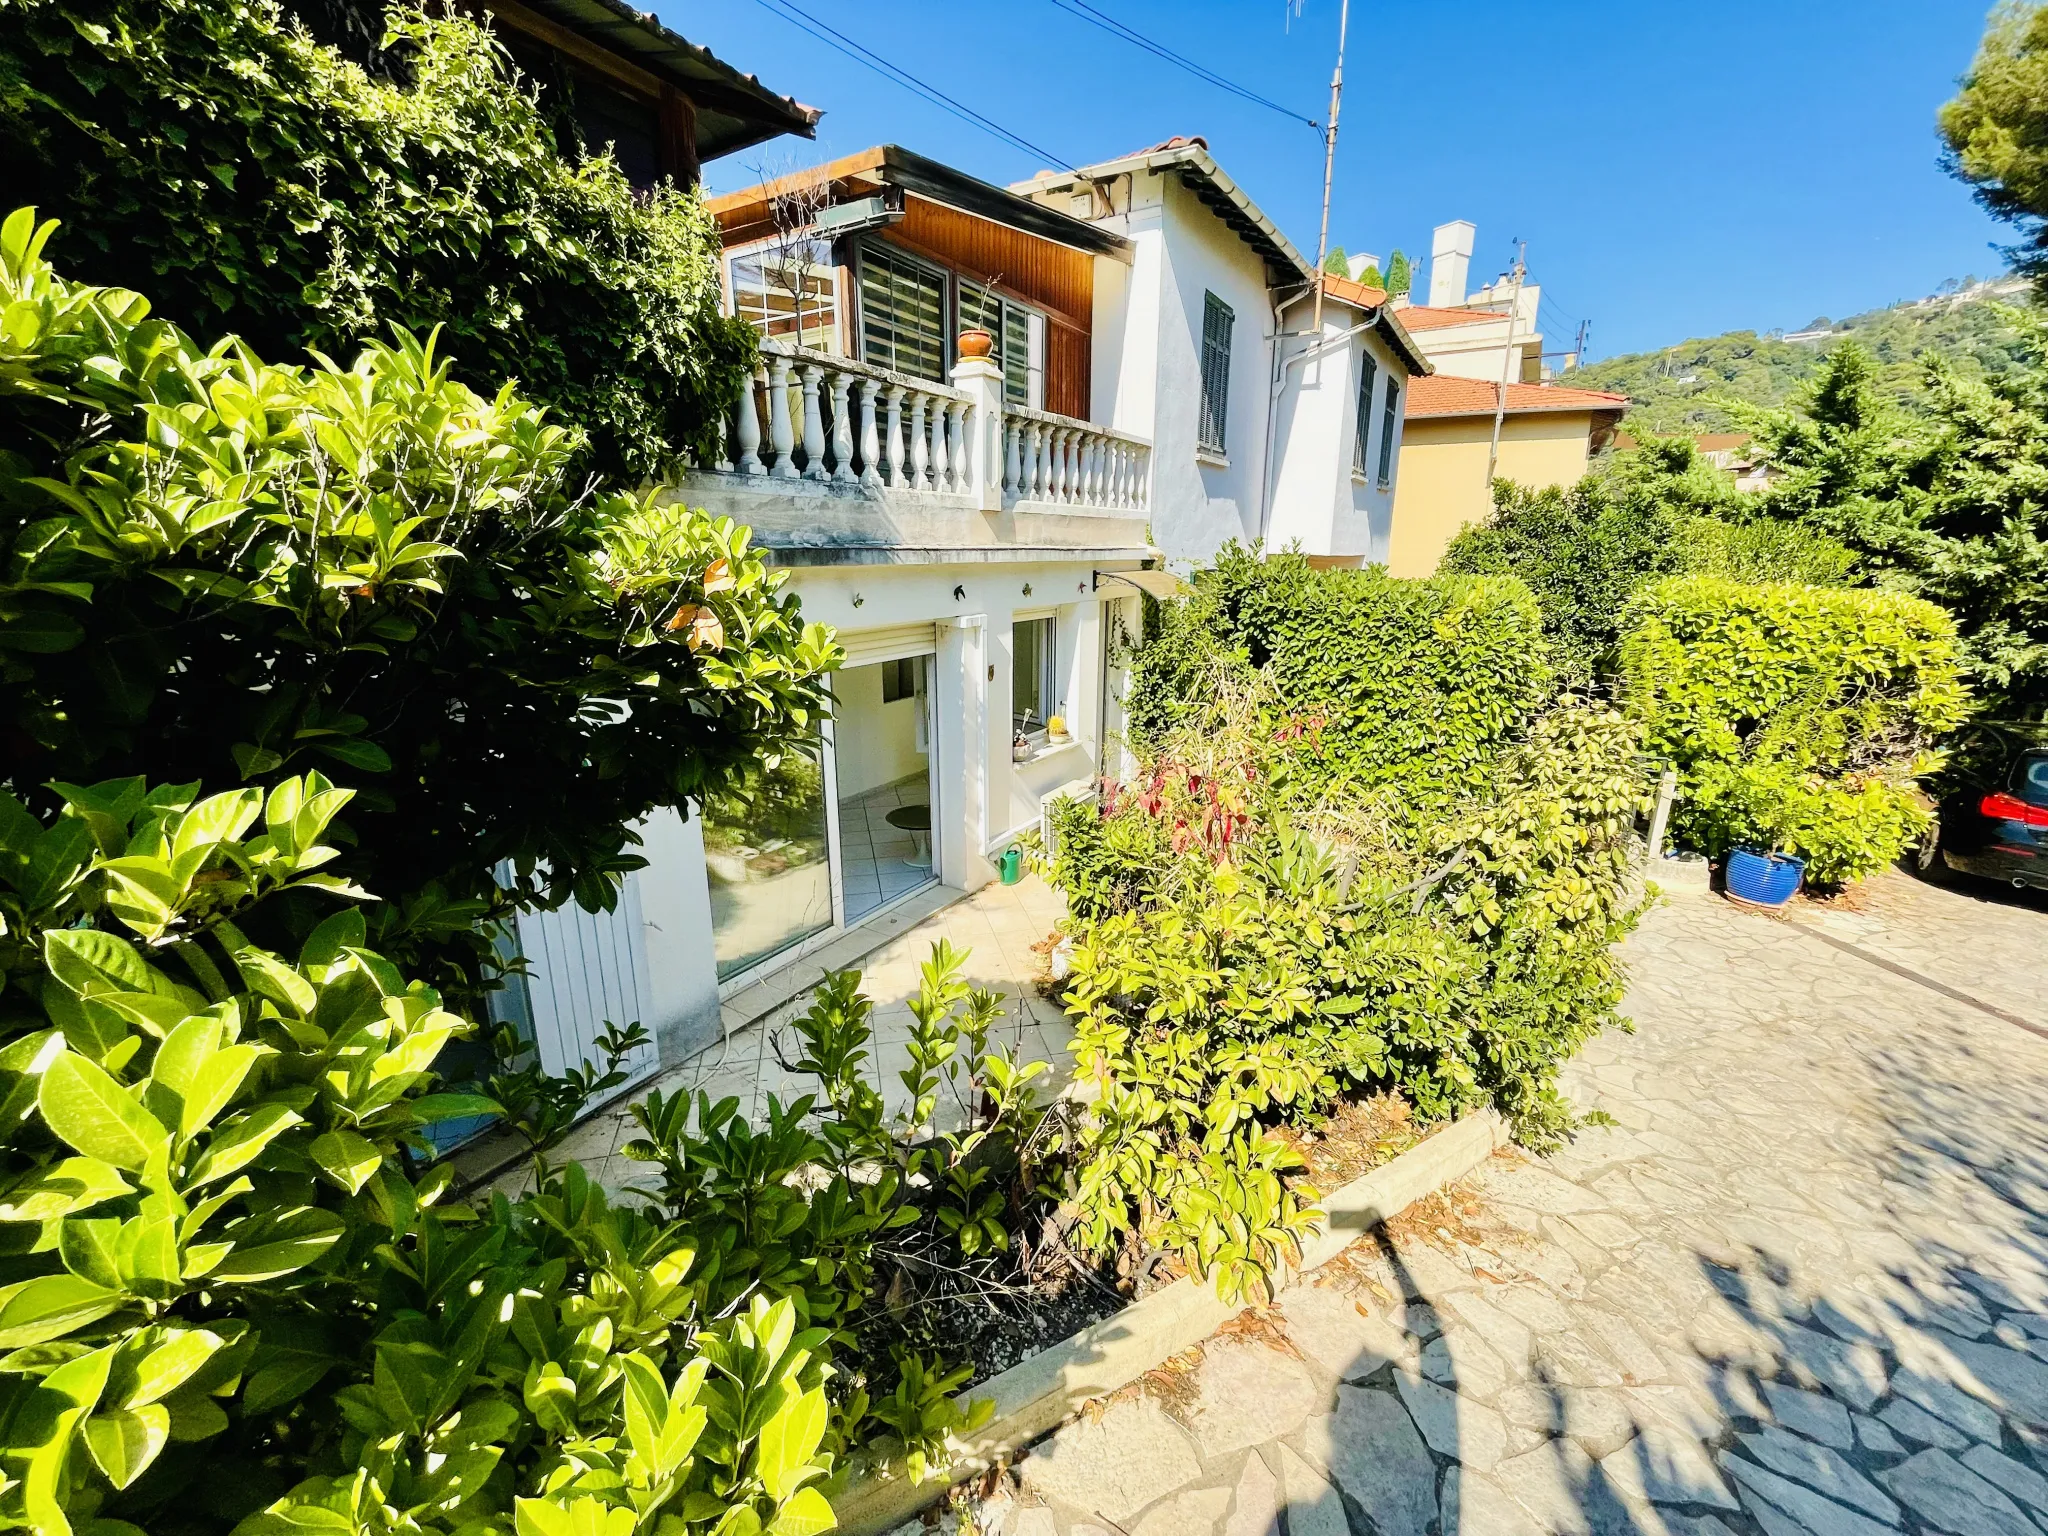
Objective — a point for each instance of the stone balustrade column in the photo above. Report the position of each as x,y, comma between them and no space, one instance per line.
814,424
780,436
892,432
842,430
920,443
1013,460
870,442
747,428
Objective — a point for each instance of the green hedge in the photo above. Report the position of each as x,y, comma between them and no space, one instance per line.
1799,717
254,181
1408,686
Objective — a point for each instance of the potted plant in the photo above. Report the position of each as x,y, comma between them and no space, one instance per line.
1056,731
1763,877
1753,811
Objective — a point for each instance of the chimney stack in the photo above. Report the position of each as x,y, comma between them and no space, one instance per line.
1450,263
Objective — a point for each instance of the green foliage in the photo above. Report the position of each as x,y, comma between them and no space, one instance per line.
1997,125
223,1298
1400,277
1846,460
1277,944
269,188
1798,717
1585,549
228,571
1336,262
1371,276
1701,384
1406,687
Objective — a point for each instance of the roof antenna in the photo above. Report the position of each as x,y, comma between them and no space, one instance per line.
1330,161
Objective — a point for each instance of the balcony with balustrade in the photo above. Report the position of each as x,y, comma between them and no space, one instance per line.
832,460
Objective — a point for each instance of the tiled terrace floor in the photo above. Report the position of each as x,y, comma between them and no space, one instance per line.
998,925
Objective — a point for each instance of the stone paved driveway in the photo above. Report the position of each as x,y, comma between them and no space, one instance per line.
1800,1285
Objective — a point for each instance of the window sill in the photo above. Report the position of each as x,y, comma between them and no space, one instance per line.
1043,751
1211,458
1362,479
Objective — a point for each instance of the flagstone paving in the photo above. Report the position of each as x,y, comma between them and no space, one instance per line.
1799,1285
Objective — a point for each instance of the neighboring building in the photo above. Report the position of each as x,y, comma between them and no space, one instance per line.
1203,345
1490,333
1548,434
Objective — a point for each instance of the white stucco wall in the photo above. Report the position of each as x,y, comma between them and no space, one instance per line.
1317,502
873,743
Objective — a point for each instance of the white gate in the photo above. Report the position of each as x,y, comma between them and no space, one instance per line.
587,969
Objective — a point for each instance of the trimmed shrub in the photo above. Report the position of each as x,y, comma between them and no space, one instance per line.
1799,717
1406,687
1661,510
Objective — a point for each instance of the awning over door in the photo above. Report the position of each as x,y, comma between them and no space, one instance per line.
866,647
1159,584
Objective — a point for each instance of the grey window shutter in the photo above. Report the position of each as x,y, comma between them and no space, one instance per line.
1216,323
1393,420
1368,370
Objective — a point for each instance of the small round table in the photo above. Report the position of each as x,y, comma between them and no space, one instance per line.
917,821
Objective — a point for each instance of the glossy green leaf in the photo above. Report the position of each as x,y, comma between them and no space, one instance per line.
125,1441
96,1115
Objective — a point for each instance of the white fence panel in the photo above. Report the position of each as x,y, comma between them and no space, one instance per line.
587,969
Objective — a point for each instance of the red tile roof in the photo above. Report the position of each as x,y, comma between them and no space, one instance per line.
1361,294
1420,317
1441,394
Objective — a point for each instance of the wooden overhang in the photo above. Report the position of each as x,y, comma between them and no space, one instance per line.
701,96
747,214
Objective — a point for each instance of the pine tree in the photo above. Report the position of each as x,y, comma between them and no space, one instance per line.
1399,278
1337,264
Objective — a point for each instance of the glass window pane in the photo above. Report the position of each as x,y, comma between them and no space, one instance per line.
789,291
766,852
1031,663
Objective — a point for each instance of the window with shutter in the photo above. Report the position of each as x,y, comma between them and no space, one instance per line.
1387,426
1217,319
1019,340
902,313
1368,370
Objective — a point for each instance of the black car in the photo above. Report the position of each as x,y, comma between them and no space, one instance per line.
1997,828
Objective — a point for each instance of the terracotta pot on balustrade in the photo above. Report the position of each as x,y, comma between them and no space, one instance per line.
976,344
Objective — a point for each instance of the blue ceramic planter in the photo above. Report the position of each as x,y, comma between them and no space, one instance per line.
1763,879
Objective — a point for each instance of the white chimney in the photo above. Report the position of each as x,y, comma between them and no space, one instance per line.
1450,262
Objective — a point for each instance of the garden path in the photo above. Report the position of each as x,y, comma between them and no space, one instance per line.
1800,1284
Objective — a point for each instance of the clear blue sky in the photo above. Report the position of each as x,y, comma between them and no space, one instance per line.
1677,169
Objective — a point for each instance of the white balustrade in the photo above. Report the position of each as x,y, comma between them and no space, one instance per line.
808,415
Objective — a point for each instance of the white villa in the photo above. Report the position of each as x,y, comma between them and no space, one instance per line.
979,530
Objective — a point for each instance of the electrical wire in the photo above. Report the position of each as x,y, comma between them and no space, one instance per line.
804,21
1137,39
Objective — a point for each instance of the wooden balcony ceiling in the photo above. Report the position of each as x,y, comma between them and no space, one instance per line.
745,214
733,110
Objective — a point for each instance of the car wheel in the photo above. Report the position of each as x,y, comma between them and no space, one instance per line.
1927,854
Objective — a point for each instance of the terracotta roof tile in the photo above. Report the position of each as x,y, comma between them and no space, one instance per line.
1420,317
1361,294
1441,394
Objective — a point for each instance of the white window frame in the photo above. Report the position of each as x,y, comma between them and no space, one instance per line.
836,269
1048,667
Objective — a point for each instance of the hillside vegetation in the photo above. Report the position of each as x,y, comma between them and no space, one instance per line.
1675,389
